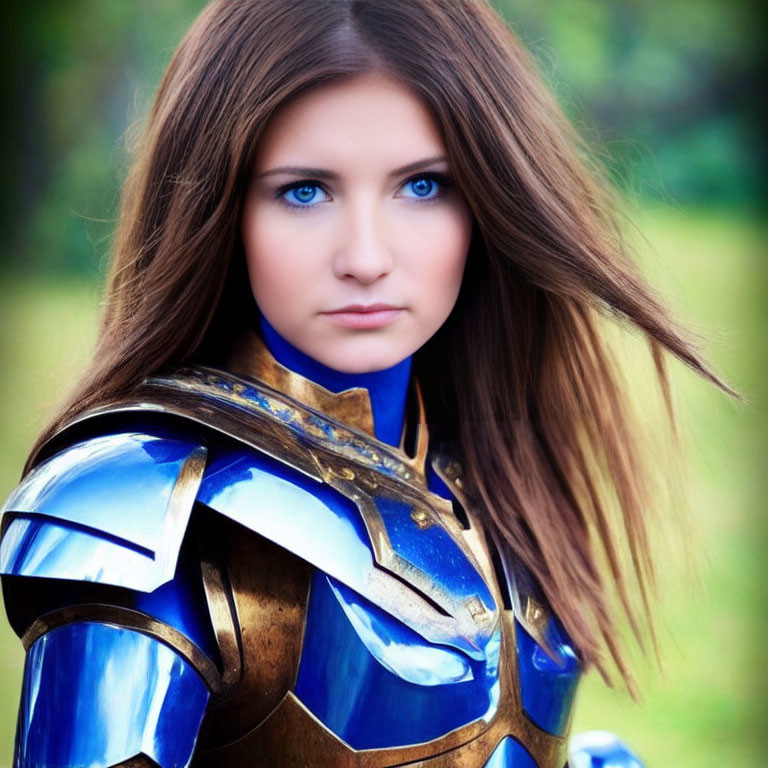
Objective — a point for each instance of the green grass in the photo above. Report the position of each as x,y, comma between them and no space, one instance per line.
48,332
705,710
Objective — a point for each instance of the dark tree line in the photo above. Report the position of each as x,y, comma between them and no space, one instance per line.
669,91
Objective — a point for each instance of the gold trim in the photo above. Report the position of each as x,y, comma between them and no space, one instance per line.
322,460
283,425
532,614
292,735
224,623
268,588
362,468
180,504
422,437
450,473
127,618
251,357
181,401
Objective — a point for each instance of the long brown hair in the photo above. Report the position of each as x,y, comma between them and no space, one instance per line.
519,377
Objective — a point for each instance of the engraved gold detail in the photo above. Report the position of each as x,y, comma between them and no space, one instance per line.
282,731
387,557
251,357
266,404
207,396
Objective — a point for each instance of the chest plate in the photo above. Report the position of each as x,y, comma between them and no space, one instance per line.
352,684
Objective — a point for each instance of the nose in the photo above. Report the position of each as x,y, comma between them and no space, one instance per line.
362,249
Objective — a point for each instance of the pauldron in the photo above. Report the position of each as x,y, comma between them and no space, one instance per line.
283,586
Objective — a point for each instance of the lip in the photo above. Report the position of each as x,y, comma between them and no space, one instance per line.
364,315
362,308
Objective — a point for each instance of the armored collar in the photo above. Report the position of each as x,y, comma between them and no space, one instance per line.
251,358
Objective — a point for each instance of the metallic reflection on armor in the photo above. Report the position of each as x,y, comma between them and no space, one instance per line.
148,485
547,685
131,693
431,549
601,749
408,654
37,546
510,754
370,706
398,648
255,490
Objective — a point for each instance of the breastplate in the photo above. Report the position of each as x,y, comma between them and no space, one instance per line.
284,669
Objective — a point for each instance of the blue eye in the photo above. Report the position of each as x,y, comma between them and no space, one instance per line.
306,193
426,186
300,194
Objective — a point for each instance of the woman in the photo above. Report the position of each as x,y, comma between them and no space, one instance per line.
333,489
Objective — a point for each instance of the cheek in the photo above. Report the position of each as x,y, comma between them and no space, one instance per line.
277,261
440,257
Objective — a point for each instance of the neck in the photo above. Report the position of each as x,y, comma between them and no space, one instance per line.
387,389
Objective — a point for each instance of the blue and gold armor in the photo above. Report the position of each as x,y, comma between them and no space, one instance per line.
231,568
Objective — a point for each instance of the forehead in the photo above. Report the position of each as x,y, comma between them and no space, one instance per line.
373,117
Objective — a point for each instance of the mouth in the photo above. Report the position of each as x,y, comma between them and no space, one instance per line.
364,308
364,315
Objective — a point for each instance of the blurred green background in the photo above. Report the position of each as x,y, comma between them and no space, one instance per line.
668,92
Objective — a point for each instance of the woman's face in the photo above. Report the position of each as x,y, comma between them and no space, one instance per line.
354,237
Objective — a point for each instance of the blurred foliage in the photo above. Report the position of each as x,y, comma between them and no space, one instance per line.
668,91
79,77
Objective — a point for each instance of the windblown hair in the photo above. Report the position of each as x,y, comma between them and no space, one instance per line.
519,378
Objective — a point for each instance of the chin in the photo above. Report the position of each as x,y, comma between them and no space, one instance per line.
359,362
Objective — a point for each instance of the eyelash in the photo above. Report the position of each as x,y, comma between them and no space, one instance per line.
441,179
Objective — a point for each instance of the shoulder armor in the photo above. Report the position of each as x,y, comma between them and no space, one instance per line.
347,504
134,696
110,509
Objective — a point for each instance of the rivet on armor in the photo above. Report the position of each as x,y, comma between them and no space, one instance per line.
477,610
421,517
535,615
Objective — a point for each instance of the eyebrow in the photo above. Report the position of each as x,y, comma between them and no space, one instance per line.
322,173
